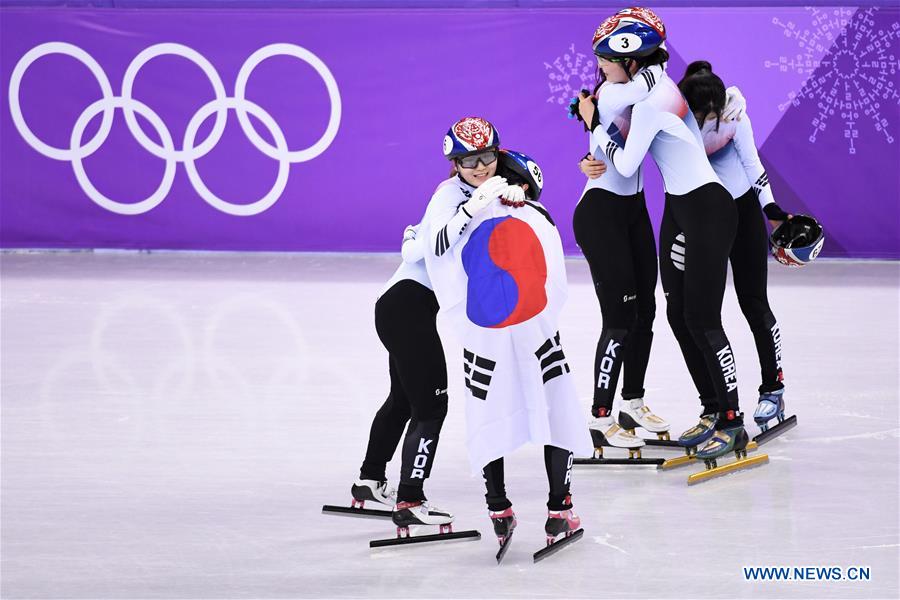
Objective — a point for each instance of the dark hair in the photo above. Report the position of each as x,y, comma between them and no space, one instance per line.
703,89
657,57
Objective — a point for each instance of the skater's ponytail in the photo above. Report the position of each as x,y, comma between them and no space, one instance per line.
703,90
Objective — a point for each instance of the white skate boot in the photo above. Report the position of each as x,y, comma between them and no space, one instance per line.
633,414
407,514
370,490
606,432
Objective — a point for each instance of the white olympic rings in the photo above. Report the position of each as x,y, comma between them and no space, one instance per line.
188,153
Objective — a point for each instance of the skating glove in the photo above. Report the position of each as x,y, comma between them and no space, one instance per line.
410,232
513,196
484,194
735,104
773,212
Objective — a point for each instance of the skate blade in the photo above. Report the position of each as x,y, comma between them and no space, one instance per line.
346,511
681,461
504,547
619,461
673,444
776,430
470,536
738,465
558,545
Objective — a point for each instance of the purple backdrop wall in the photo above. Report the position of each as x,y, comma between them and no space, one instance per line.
821,84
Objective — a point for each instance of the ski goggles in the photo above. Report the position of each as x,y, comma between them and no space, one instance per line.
470,161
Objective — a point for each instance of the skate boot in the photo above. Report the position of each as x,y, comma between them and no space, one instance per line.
731,439
633,414
504,522
771,406
370,490
606,432
420,512
699,433
561,522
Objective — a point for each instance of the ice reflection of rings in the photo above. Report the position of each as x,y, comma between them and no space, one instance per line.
188,153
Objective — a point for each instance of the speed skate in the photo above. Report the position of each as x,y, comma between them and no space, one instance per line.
376,493
407,515
616,437
633,414
563,528
771,406
722,443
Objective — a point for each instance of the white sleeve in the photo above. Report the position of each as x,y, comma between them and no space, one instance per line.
413,250
753,167
616,97
628,159
447,220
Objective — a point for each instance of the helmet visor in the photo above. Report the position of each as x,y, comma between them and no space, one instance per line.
485,157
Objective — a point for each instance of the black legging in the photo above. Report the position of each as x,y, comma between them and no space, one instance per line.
696,235
558,463
405,321
749,259
616,237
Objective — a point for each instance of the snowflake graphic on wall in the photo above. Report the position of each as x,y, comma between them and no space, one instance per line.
855,79
569,74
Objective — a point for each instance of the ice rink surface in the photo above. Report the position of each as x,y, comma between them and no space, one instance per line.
172,425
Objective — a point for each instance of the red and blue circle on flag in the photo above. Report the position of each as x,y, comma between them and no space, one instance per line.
507,271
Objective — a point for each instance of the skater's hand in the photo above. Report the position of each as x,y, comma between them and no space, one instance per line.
484,194
735,104
514,196
591,167
775,214
587,106
410,232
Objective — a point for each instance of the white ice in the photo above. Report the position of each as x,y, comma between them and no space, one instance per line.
172,425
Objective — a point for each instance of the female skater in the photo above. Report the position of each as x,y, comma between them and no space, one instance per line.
612,228
405,315
732,154
699,220
499,276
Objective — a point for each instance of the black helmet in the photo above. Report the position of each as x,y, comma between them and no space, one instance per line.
797,241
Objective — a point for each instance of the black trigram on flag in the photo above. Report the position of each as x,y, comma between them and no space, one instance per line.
479,371
553,361
762,182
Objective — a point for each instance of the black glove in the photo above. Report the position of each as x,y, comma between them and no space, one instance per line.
773,212
574,114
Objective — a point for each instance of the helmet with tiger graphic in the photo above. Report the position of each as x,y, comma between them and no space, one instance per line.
630,33
470,135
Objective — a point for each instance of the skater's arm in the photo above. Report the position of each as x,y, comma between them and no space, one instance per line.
628,158
616,97
753,167
450,211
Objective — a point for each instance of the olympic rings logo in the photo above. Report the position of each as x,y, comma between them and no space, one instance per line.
78,150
